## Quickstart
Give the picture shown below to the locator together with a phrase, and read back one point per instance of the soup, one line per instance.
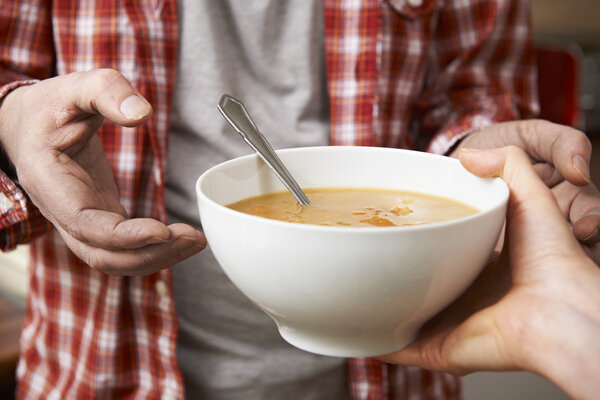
(355, 207)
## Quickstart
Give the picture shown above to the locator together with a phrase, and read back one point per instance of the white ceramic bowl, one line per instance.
(350, 292)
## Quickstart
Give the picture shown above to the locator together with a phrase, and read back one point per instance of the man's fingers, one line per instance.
(581, 205)
(548, 174)
(593, 252)
(87, 208)
(568, 149)
(110, 230)
(587, 229)
(585, 215)
(184, 241)
(563, 147)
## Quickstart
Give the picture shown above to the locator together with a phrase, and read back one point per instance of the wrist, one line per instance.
(6, 92)
(562, 339)
(574, 366)
(6, 164)
(9, 119)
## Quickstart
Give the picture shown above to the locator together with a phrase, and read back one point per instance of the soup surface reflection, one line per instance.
(356, 207)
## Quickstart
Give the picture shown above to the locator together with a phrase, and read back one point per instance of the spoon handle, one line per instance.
(235, 113)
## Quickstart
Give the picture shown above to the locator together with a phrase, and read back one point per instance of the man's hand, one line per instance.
(49, 132)
(561, 157)
(537, 309)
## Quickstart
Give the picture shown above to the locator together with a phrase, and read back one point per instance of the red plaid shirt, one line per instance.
(405, 73)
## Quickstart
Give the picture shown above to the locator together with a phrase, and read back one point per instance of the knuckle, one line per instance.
(106, 81)
(583, 139)
(540, 127)
(539, 123)
(433, 358)
(532, 129)
(74, 228)
(106, 76)
(515, 151)
(75, 232)
(147, 261)
(546, 172)
(108, 89)
(96, 262)
(131, 232)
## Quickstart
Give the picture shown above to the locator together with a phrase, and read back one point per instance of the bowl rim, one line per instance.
(501, 203)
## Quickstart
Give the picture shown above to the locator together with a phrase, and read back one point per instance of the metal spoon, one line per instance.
(235, 113)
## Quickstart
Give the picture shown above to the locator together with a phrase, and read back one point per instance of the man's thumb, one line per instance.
(110, 94)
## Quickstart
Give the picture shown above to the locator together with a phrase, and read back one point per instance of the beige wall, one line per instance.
(13, 274)
(570, 19)
(510, 386)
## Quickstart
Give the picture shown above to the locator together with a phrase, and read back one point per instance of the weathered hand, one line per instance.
(49, 132)
(537, 308)
(561, 157)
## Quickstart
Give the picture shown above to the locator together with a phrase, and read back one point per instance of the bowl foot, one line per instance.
(368, 346)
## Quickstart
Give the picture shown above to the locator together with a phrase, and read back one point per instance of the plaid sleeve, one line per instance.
(371, 379)
(483, 69)
(20, 220)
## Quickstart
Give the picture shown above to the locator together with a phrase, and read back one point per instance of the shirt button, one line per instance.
(161, 288)
(157, 177)
(415, 3)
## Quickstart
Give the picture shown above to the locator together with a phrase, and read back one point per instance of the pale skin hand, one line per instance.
(49, 131)
(537, 309)
(561, 157)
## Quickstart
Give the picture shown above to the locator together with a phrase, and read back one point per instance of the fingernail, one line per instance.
(592, 237)
(191, 239)
(188, 246)
(184, 242)
(135, 107)
(189, 251)
(581, 166)
(156, 240)
(470, 150)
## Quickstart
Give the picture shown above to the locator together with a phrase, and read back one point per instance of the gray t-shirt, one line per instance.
(269, 54)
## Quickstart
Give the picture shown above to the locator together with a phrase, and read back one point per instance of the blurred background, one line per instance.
(567, 38)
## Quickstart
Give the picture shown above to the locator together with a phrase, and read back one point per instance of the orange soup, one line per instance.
(356, 207)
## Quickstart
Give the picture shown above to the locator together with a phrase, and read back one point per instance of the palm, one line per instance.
(76, 175)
